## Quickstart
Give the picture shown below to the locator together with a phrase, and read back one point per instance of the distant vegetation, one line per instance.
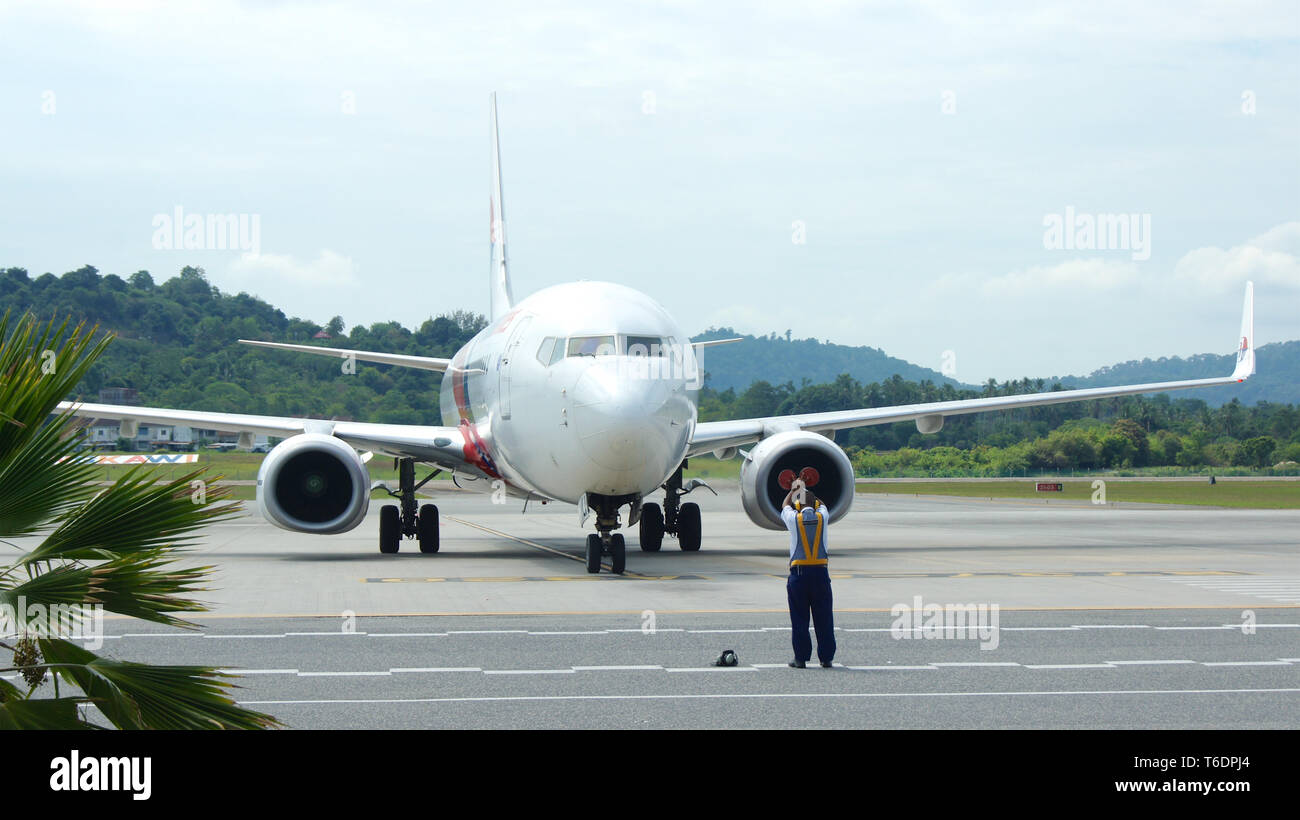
(176, 346)
(1158, 434)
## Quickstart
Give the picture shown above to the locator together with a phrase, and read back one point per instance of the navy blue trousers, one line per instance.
(809, 591)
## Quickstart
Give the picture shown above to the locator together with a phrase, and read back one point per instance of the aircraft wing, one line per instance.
(452, 448)
(399, 359)
(720, 435)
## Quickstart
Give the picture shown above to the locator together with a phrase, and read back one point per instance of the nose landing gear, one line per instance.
(605, 541)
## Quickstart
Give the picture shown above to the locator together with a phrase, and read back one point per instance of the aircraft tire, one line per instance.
(688, 527)
(593, 553)
(427, 529)
(617, 553)
(390, 529)
(652, 527)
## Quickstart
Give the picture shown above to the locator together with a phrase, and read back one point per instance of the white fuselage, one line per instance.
(586, 387)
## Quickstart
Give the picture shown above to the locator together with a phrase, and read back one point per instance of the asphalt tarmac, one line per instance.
(1057, 616)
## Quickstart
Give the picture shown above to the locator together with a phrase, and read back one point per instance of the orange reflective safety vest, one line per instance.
(814, 552)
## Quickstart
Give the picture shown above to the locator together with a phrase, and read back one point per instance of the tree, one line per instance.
(114, 547)
(1255, 452)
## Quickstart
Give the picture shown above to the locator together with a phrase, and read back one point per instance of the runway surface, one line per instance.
(1106, 617)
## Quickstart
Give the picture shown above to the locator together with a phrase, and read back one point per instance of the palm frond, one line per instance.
(39, 366)
(46, 713)
(41, 480)
(62, 586)
(142, 585)
(141, 696)
(146, 585)
(135, 513)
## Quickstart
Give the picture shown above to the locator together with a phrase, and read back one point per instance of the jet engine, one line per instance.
(313, 483)
(774, 462)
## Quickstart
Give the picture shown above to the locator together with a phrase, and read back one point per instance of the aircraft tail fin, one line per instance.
(1246, 344)
(499, 273)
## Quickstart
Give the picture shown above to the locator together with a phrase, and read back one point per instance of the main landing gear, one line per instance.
(410, 520)
(675, 518)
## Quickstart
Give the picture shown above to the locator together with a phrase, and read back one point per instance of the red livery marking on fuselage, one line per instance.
(476, 451)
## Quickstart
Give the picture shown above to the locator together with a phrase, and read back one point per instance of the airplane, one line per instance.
(583, 393)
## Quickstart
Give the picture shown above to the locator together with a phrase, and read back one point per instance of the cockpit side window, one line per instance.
(647, 346)
(545, 352)
(591, 346)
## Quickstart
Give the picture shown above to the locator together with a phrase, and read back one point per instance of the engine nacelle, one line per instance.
(313, 483)
(760, 485)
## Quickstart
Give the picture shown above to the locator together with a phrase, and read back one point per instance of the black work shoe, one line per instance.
(797, 664)
(826, 665)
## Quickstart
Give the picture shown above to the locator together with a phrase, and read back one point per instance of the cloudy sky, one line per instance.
(930, 169)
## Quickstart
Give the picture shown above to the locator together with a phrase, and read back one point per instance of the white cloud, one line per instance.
(328, 269)
(1271, 258)
(1092, 274)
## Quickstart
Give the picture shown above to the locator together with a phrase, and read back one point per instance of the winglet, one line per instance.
(1246, 342)
(499, 273)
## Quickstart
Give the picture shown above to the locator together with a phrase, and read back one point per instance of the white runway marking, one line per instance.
(435, 669)
(754, 667)
(711, 669)
(592, 632)
(1285, 590)
(635, 631)
(405, 634)
(777, 695)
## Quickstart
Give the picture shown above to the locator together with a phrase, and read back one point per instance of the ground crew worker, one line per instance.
(808, 588)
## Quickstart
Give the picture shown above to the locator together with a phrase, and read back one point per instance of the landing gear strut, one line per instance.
(605, 541)
(410, 520)
(676, 519)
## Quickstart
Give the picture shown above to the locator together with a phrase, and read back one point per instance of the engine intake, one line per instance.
(313, 483)
(777, 459)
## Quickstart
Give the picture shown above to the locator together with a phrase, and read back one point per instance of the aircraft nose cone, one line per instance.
(618, 417)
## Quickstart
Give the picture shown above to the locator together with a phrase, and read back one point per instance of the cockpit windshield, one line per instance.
(592, 346)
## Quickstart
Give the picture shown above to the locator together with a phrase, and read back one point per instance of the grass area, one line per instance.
(707, 467)
(1264, 495)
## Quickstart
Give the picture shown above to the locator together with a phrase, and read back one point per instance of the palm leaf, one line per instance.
(134, 513)
(48, 714)
(39, 366)
(140, 696)
(63, 586)
(39, 481)
(140, 585)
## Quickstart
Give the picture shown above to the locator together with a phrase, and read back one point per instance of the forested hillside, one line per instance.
(176, 346)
